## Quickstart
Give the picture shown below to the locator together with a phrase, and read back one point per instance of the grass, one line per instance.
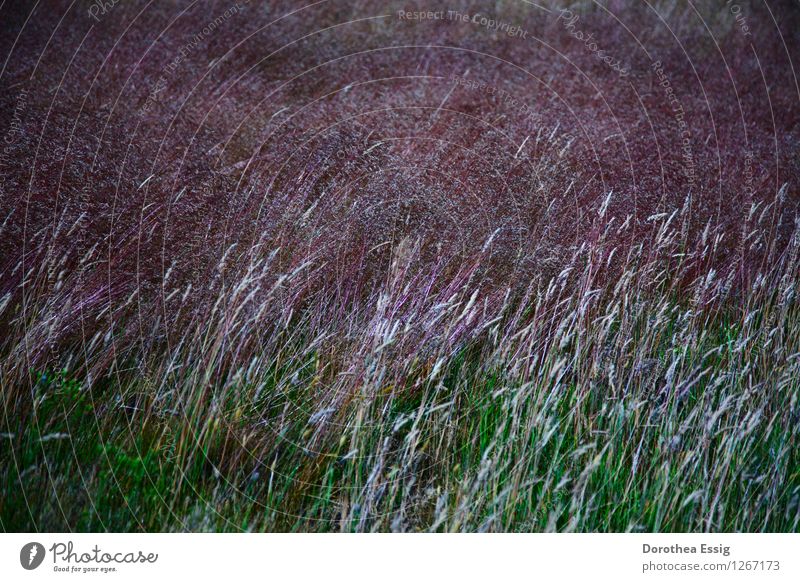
(342, 281)
(567, 414)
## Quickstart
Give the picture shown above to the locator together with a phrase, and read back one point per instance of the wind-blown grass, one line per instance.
(357, 301)
(577, 407)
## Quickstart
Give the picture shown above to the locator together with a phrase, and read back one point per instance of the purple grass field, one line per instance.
(400, 266)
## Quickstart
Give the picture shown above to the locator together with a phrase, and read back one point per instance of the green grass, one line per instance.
(645, 397)
(479, 450)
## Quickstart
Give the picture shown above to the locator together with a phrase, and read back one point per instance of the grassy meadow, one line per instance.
(312, 284)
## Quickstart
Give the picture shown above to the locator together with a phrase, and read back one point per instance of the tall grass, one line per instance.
(582, 405)
(295, 316)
